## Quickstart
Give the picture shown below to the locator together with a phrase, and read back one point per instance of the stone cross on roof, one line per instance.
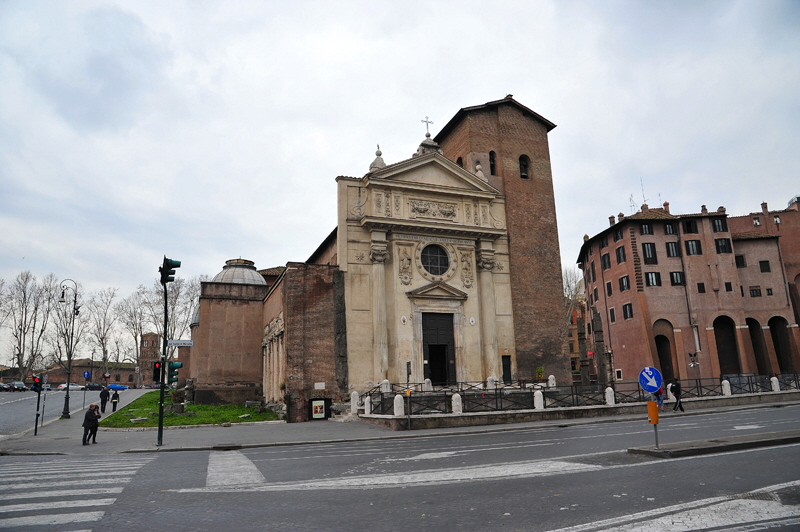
(427, 123)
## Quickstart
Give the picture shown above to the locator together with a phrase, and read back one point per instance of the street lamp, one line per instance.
(70, 338)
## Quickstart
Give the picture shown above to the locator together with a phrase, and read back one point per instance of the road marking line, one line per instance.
(31, 506)
(54, 519)
(229, 479)
(232, 468)
(64, 483)
(60, 493)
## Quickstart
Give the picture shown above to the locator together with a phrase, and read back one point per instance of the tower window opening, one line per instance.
(524, 165)
(492, 163)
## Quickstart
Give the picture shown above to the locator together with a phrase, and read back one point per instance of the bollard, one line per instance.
(386, 386)
(458, 407)
(726, 388)
(427, 386)
(354, 403)
(551, 381)
(399, 405)
(490, 383)
(367, 404)
(538, 400)
(776, 384)
(611, 400)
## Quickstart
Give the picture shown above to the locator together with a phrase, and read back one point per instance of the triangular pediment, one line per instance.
(432, 170)
(437, 290)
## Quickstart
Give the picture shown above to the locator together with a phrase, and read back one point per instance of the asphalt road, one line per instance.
(569, 479)
(18, 409)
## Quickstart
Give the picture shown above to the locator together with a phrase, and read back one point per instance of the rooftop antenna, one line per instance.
(633, 204)
(644, 200)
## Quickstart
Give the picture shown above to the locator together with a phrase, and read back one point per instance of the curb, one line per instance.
(735, 443)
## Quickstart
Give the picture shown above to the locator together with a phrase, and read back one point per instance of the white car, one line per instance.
(72, 387)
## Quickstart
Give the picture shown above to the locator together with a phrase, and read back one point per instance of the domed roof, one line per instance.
(239, 271)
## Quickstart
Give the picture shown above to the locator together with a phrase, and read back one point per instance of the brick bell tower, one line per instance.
(509, 141)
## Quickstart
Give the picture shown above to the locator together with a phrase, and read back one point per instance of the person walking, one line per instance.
(675, 388)
(91, 421)
(114, 401)
(658, 395)
(103, 399)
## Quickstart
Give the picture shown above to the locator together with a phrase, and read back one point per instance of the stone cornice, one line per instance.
(441, 228)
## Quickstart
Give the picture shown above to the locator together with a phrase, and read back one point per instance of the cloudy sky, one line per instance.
(207, 131)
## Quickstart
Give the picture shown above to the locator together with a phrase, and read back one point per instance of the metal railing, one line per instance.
(789, 381)
(520, 395)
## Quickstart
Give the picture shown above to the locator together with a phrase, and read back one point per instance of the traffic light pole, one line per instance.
(161, 377)
(167, 271)
(38, 402)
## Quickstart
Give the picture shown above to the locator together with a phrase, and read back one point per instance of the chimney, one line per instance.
(620, 217)
(645, 208)
(610, 220)
(703, 209)
(764, 208)
(666, 206)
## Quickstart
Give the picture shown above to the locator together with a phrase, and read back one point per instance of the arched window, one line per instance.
(524, 164)
(492, 163)
(116, 377)
(460, 162)
(130, 378)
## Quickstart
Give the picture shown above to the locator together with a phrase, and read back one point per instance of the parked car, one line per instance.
(5, 387)
(117, 387)
(18, 386)
(93, 386)
(72, 387)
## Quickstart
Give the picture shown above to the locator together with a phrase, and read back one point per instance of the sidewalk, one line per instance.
(63, 436)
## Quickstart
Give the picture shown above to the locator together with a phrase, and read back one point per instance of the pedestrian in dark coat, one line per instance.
(103, 399)
(91, 421)
(114, 401)
(676, 391)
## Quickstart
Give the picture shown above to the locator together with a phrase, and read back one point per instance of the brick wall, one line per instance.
(310, 335)
(534, 256)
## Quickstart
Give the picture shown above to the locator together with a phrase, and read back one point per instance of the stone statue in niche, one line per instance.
(466, 269)
(404, 265)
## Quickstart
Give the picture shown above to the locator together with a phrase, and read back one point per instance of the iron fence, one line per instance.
(520, 395)
(748, 383)
(788, 381)
(701, 387)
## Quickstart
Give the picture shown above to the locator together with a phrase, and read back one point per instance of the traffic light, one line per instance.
(167, 270)
(37, 383)
(156, 371)
(172, 375)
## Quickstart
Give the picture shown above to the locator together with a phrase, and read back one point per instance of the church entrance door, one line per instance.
(438, 348)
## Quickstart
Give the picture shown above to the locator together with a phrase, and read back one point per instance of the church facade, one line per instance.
(444, 266)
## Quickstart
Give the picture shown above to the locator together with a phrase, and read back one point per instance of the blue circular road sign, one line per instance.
(86, 374)
(650, 379)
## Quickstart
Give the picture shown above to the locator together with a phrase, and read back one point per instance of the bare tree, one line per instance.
(30, 305)
(102, 319)
(132, 317)
(182, 297)
(69, 329)
(4, 307)
(573, 289)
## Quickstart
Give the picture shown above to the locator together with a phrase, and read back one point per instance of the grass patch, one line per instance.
(146, 406)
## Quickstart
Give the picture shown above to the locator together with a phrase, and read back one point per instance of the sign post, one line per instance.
(650, 380)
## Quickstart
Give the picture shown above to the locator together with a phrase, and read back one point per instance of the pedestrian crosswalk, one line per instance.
(62, 492)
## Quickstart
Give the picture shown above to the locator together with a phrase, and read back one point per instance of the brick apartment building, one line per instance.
(691, 296)
(444, 266)
(784, 224)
